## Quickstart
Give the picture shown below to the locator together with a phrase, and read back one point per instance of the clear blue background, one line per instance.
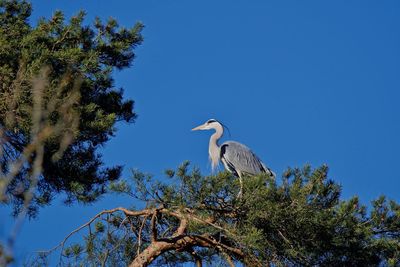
(297, 81)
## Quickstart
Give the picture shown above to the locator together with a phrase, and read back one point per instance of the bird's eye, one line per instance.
(210, 121)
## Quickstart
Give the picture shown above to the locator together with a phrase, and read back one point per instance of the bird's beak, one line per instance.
(200, 127)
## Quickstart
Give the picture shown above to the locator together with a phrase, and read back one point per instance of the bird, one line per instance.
(237, 158)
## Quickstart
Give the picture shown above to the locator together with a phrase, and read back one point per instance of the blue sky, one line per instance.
(298, 82)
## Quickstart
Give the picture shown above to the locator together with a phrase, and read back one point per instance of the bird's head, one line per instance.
(210, 124)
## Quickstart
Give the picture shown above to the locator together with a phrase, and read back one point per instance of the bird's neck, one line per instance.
(213, 148)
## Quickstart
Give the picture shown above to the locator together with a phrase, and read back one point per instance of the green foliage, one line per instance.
(299, 221)
(73, 53)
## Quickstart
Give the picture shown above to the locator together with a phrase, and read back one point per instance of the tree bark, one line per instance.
(158, 247)
(182, 242)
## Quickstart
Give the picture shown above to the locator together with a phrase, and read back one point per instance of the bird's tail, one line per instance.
(273, 175)
(269, 171)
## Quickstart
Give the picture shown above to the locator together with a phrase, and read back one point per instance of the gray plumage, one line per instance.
(236, 157)
(240, 160)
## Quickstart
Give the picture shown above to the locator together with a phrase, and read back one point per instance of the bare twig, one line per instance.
(140, 235)
(98, 215)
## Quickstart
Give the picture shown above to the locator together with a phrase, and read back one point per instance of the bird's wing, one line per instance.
(239, 158)
(225, 160)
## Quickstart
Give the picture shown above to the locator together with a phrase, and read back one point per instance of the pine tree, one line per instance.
(58, 105)
(77, 105)
(299, 221)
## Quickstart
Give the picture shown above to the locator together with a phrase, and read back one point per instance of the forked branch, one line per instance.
(180, 240)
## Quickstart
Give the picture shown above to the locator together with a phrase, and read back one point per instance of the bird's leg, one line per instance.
(241, 185)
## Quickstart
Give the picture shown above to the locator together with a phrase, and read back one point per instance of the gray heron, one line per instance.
(236, 157)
